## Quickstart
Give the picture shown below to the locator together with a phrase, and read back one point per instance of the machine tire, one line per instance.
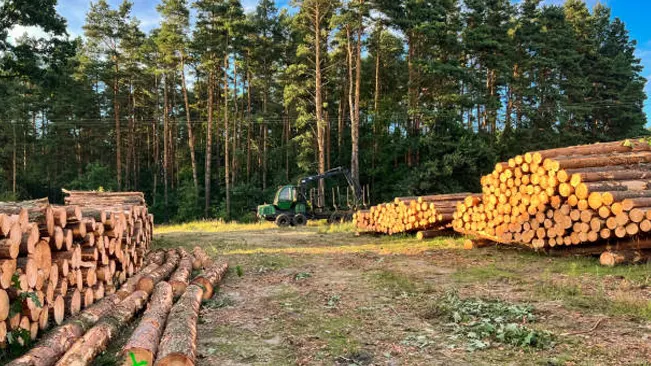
(283, 220)
(299, 220)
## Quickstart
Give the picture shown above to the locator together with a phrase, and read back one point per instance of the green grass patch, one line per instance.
(213, 226)
(394, 282)
(484, 273)
(573, 296)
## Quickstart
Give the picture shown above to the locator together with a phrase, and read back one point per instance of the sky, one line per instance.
(633, 12)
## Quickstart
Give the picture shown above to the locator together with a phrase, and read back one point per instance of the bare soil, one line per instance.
(312, 297)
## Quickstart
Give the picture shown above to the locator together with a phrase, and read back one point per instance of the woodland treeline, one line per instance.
(212, 110)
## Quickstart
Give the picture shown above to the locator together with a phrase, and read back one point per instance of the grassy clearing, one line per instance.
(320, 295)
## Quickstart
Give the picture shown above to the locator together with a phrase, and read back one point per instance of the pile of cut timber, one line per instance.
(410, 214)
(58, 260)
(165, 333)
(590, 197)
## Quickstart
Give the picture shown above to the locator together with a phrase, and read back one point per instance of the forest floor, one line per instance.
(321, 295)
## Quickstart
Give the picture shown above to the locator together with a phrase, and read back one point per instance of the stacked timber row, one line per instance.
(410, 214)
(591, 194)
(57, 260)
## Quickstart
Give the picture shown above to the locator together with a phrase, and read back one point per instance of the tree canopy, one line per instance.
(211, 111)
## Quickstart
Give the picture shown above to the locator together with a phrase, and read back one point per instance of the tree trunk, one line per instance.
(354, 169)
(193, 159)
(116, 114)
(249, 129)
(318, 100)
(206, 211)
(166, 145)
(227, 162)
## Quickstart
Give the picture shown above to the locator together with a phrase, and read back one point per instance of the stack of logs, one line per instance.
(57, 260)
(598, 195)
(166, 333)
(409, 214)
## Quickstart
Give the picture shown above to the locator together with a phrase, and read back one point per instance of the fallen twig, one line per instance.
(594, 327)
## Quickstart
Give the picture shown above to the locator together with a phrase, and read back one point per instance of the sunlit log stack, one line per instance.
(57, 260)
(589, 194)
(409, 214)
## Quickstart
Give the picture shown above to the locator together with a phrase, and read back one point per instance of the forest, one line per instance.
(213, 109)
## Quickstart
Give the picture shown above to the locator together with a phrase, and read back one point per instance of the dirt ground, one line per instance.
(316, 296)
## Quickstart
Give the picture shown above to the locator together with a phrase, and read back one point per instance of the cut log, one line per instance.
(50, 349)
(10, 245)
(72, 302)
(181, 277)
(201, 259)
(209, 279)
(178, 344)
(4, 306)
(7, 270)
(148, 281)
(144, 341)
(58, 309)
(613, 258)
(95, 340)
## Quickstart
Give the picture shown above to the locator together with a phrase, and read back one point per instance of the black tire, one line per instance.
(299, 220)
(283, 220)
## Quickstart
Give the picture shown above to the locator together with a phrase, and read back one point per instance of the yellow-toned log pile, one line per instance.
(57, 260)
(409, 214)
(596, 194)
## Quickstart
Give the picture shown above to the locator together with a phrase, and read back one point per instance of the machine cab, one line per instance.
(285, 197)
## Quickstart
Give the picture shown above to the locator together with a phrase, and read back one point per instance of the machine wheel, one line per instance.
(348, 217)
(283, 220)
(300, 220)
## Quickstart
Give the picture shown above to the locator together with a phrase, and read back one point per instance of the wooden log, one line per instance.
(58, 309)
(72, 302)
(143, 343)
(4, 305)
(96, 339)
(7, 270)
(10, 245)
(201, 259)
(148, 281)
(178, 343)
(613, 258)
(210, 278)
(27, 266)
(181, 277)
(50, 349)
(130, 285)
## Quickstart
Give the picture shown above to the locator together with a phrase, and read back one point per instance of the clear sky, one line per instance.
(633, 12)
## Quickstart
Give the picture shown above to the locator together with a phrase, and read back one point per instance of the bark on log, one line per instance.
(178, 344)
(181, 277)
(148, 281)
(209, 279)
(50, 349)
(95, 340)
(144, 341)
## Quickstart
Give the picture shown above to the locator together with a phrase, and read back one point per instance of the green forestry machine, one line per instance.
(295, 204)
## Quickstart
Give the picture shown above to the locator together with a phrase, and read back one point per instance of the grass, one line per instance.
(328, 297)
(213, 226)
(489, 272)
